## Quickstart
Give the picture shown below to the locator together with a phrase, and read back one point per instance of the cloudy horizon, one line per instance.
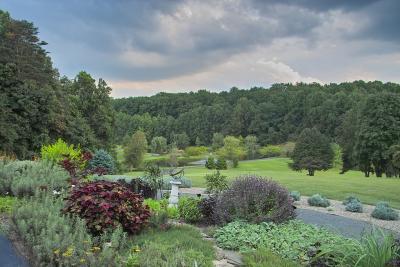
(145, 47)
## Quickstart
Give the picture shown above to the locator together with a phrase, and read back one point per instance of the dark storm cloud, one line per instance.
(151, 40)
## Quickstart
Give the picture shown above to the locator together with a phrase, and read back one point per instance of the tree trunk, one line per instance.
(310, 172)
(366, 173)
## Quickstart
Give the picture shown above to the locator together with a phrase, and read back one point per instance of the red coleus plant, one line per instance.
(106, 205)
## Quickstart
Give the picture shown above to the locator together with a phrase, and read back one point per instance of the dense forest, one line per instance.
(38, 106)
(362, 117)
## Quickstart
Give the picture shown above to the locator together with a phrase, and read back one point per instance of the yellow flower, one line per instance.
(135, 249)
(57, 251)
(82, 260)
(68, 252)
(96, 249)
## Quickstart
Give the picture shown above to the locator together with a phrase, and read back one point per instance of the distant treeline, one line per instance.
(362, 116)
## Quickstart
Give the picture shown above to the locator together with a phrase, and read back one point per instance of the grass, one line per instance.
(178, 246)
(265, 258)
(329, 183)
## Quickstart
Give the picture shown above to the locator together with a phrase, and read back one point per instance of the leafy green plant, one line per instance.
(291, 240)
(59, 150)
(188, 208)
(254, 199)
(384, 212)
(156, 206)
(216, 182)
(377, 249)
(295, 195)
(178, 246)
(104, 205)
(102, 159)
(262, 257)
(318, 201)
(6, 204)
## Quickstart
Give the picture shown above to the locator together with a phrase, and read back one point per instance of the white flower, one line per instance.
(55, 192)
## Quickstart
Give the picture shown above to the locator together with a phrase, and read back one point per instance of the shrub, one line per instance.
(8, 170)
(221, 164)
(291, 240)
(186, 183)
(59, 150)
(295, 195)
(210, 163)
(158, 145)
(102, 159)
(58, 240)
(254, 199)
(354, 206)
(350, 199)
(216, 182)
(39, 174)
(318, 201)
(6, 204)
(265, 258)
(188, 209)
(207, 208)
(106, 205)
(384, 212)
(195, 150)
(270, 151)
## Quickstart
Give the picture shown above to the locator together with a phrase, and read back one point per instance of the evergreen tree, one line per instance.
(312, 152)
(210, 163)
(221, 164)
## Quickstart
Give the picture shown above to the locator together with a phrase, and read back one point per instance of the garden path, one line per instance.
(9, 256)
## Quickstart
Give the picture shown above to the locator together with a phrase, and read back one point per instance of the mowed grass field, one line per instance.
(329, 183)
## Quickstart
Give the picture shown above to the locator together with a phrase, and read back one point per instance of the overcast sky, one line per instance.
(143, 47)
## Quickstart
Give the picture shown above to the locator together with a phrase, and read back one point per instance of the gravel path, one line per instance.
(337, 208)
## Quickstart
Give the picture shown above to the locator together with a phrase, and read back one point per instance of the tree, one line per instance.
(210, 163)
(221, 164)
(312, 152)
(377, 131)
(181, 140)
(199, 142)
(232, 149)
(251, 146)
(159, 145)
(217, 141)
(135, 150)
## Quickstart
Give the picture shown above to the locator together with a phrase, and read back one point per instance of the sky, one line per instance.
(141, 47)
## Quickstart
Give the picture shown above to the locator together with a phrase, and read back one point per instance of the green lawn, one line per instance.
(329, 183)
